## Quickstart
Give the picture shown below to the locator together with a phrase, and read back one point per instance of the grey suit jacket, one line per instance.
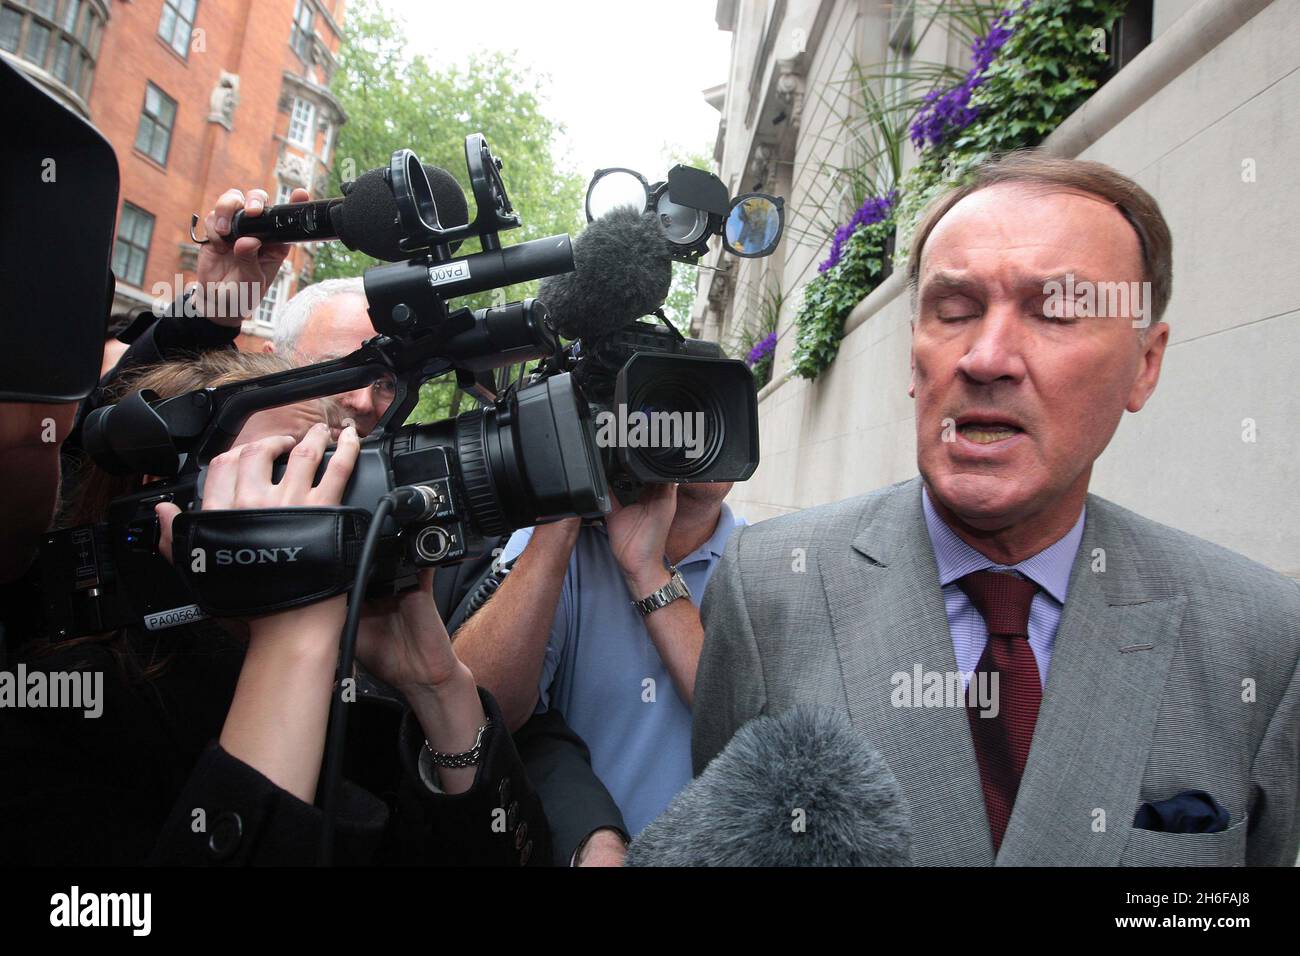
(1175, 668)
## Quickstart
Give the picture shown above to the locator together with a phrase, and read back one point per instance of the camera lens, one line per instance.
(685, 423)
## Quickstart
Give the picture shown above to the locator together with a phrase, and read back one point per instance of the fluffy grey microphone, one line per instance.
(623, 272)
(798, 789)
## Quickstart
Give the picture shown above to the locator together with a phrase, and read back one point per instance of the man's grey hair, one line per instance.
(298, 311)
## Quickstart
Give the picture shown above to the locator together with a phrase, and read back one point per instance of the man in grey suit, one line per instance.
(1053, 679)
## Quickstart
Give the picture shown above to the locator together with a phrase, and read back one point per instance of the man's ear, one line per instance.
(268, 348)
(1150, 359)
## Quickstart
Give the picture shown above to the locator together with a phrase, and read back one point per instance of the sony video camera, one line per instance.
(527, 454)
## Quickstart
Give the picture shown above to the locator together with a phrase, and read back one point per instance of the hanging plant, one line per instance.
(759, 360)
(859, 261)
(756, 341)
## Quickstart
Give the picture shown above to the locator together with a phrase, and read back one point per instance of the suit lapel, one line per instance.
(1093, 736)
(888, 617)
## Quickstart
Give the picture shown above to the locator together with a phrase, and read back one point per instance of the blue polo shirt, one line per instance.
(603, 672)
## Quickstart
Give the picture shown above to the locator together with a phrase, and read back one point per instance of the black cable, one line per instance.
(331, 765)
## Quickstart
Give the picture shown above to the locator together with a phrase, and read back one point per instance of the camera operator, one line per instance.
(563, 630)
(132, 781)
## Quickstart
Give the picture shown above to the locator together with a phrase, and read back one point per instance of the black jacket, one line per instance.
(146, 782)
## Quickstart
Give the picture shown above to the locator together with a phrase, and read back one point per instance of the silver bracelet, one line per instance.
(466, 758)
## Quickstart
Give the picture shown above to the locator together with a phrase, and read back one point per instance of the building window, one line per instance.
(301, 122)
(265, 317)
(11, 27)
(177, 24)
(70, 15)
(300, 39)
(38, 41)
(62, 61)
(328, 145)
(131, 250)
(154, 136)
(282, 194)
(44, 7)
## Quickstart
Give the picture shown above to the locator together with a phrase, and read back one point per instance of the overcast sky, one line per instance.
(621, 88)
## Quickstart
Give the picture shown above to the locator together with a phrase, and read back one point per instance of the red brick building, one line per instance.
(195, 96)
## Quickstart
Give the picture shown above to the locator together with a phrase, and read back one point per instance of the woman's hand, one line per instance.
(277, 720)
(404, 643)
(241, 478)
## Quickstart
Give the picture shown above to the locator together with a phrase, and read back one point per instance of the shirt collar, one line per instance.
(1049, 568)
(717, 543)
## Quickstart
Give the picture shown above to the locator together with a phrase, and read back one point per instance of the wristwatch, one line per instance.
(670, 592)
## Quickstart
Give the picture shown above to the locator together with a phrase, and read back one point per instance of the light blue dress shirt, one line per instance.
(1049, 569)
(603, 672)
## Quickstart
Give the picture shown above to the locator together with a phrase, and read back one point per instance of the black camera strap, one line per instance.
(239, 563)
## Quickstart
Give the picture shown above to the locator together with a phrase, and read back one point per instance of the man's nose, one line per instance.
(996, 348)
(361, 403)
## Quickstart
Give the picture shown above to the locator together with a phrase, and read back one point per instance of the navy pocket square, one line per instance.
(1192, 811)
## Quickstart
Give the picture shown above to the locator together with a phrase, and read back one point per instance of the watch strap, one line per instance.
(670, 592)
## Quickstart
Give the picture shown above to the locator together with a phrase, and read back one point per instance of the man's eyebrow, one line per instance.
(946, 281)
(939, 282)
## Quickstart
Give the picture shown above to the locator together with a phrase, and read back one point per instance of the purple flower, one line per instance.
(762, 350)
(874, 209)
(945, 112)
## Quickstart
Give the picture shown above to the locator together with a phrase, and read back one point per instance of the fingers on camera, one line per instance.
(339, 470)
(300, 473)
(253, 488)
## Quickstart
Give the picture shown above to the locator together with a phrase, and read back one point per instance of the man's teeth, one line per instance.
(987, 434)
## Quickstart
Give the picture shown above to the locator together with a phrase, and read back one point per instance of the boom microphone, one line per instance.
(623, 272)
(798, 789)
(364, 218)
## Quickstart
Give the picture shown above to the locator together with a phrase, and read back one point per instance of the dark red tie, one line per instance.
(1002, 742)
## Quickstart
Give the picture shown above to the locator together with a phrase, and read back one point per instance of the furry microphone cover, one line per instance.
(623, 272)
(798, 789)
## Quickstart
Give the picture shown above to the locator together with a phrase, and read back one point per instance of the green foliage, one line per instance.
(394, 98)
(830, 297)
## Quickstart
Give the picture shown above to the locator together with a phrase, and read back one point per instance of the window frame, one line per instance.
(303, 29)
(178, 16)
(156, 124)
(272, 296)
(137, 214)
(309, 143)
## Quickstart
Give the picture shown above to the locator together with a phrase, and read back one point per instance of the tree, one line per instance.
(394, 98)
